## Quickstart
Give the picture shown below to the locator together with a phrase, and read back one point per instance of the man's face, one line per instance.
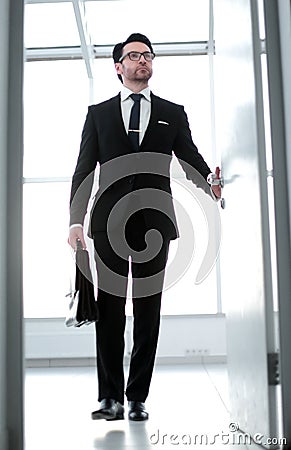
(135, 70)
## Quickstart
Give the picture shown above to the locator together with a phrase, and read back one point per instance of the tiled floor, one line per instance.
(186, 403)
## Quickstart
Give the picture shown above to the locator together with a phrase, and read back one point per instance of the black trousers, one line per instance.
(146, 297)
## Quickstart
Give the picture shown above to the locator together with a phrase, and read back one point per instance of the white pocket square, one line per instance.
(163, 123)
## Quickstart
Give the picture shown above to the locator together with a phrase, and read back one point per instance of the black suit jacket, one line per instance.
(122, 171)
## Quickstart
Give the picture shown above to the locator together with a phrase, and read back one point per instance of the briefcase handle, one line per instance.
(79, 244)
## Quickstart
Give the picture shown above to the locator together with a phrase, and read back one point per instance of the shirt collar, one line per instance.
(125, 93)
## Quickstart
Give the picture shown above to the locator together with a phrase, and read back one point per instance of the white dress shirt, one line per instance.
(126, 105)
(145, 109)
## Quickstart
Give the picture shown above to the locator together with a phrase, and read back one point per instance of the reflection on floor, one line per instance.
(188, 404)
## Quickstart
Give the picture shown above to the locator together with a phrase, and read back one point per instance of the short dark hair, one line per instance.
(135, 37)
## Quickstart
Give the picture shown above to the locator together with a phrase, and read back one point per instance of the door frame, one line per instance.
(275, 14)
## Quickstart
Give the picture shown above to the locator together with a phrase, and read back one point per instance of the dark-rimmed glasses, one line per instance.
(135, 56)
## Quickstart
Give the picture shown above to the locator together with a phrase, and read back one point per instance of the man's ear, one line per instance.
(118, 68)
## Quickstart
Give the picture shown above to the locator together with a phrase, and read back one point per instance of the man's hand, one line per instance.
(216, 188)
(76, 233)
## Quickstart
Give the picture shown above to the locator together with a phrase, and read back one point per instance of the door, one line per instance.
(246, 285)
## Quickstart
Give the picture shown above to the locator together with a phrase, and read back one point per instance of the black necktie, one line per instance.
(133, 129)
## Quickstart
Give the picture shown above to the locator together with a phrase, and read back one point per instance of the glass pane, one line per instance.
(55, 104)
(105, 76)
(183, 296)
(50, 25)
(185, 80)
(47, 256)
(113, 21)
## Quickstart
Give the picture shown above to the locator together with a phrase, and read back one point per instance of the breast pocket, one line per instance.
(164, 135)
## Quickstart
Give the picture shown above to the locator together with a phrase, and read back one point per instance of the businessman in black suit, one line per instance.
(132, 136)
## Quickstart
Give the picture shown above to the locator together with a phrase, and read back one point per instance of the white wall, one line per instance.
(182, 339)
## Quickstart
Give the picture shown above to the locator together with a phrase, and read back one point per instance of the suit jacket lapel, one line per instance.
(117, 115)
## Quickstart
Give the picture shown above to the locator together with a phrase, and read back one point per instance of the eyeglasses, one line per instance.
(135, 56)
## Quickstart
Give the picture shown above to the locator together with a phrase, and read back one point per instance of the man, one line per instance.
(118, 134)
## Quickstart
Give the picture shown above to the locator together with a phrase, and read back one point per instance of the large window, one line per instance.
(57, 93)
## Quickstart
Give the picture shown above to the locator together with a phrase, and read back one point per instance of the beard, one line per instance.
(143, 74)
(140, 74)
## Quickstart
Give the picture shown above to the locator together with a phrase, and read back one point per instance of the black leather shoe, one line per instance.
(109, 410)
(137, 411)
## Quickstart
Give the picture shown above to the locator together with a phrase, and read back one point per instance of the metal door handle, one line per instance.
(213, 181)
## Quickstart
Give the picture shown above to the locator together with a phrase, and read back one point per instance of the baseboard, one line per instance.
(206, 359)
(91, 362)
